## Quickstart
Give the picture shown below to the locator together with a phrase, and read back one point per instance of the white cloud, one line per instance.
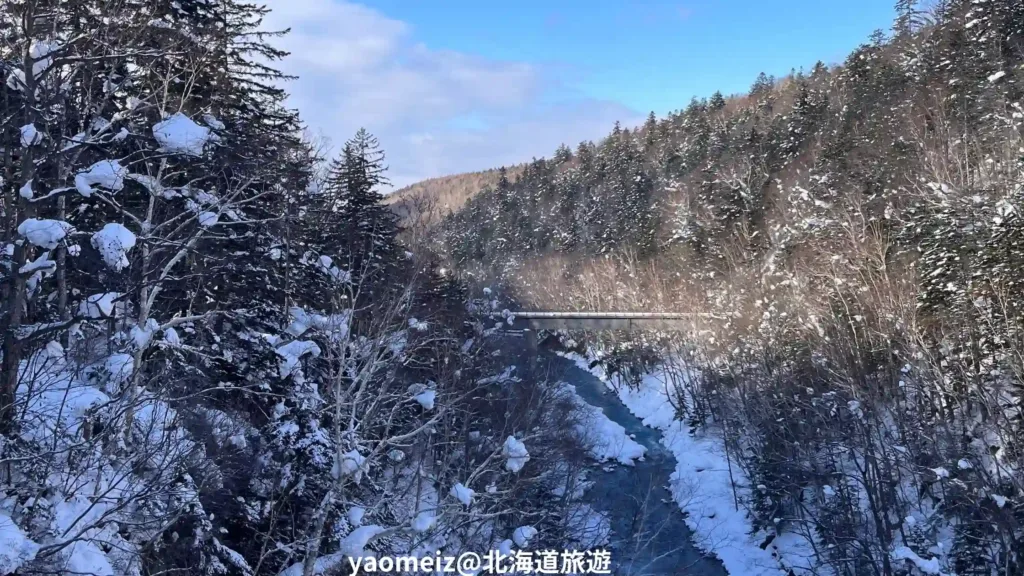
(435, 111)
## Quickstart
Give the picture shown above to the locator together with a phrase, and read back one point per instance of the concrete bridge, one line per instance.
(535, 320)
(529, 322)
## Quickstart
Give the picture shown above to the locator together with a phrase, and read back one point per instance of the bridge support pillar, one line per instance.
(531, 339)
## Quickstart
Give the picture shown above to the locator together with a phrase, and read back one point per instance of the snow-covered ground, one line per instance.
(703, 486)
(607, 440)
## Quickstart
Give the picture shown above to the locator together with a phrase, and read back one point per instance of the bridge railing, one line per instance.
(576, 320)
(597, 315)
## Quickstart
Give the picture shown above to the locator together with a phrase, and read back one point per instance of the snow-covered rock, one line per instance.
(41, 264)
(212, 121)
(142, 335)
(54, 349)
(40, 51)
(353, 544)
(337, 274)
(118, 367)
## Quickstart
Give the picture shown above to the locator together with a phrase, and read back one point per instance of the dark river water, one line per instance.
(649, 534)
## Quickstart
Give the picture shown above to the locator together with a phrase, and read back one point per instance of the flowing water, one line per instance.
(649, 533)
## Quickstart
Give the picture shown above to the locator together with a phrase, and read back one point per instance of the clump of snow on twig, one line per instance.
(44, 233)
(113, 242)
(522, 535)
(178, 134)
(515, 453)
(463, 494)
(108, 174)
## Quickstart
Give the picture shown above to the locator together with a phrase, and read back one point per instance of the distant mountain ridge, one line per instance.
(427, 202)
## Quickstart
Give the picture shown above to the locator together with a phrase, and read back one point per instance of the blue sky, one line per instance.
(457, 85)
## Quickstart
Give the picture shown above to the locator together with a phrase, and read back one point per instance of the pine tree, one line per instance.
(352, 212)
(563, 154)
(650, 131)
(717, 101)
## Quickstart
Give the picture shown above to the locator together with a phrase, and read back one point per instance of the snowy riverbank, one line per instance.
(702, 485)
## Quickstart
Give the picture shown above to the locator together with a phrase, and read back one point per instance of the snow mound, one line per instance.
(40, 51)
(212, 121)
(58, 407)
(178, 134)
(15, 548)
(930, 566)
(42, 264)
(607, 440)
(44, 233)
(351, 546)
(87, 558)
(113, 242)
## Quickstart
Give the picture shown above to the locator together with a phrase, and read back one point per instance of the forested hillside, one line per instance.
(423, 205)
(215, 361)
(854, 235)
